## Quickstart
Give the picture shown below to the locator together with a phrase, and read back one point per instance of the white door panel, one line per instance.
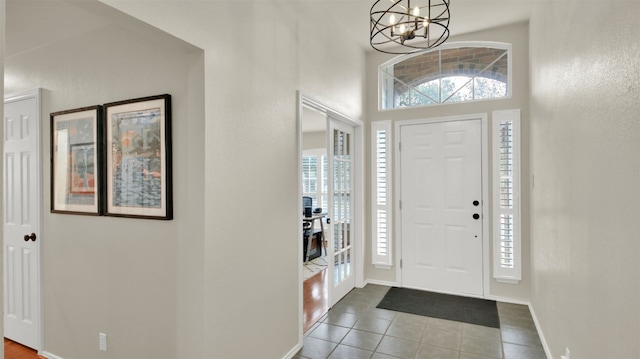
(341, 157)
(22, 220)
(440, 180)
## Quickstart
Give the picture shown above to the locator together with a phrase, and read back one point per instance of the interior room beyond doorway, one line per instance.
(314, 191)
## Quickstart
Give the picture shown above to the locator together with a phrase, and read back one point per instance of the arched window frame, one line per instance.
(386, 85)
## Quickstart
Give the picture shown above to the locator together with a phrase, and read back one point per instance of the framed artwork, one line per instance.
(138, 158)
(76, 169)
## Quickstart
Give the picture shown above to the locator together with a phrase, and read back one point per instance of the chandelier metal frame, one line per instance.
(422, 26)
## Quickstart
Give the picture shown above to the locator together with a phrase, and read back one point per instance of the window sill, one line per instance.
(507, 280)
(383, 266)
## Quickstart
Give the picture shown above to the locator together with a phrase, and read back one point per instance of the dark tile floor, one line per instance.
(354, 328)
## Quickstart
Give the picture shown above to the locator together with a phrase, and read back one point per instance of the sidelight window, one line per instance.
(506, 196)
(381, 192)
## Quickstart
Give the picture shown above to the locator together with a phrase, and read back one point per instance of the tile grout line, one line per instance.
(520, 321)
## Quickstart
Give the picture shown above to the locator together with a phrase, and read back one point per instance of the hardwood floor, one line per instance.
(13, 350)
(316, 298)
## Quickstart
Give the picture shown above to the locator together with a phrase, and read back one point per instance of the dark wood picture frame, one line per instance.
(77, 170)
(138, 162)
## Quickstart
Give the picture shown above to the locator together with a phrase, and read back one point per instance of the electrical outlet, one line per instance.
(102, 342)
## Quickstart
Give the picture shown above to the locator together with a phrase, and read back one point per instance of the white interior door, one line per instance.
(341, 179)
(22, 219)
(441, 195)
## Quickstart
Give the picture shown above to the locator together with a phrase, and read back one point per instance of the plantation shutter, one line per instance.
(381, 191)
(506, 196)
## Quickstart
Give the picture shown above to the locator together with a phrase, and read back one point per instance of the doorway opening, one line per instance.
(315, 259)
(331, 182)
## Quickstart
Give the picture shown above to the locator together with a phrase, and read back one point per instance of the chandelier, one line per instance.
(414, 25)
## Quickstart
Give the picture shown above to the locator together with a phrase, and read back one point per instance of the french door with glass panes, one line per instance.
(341, 266)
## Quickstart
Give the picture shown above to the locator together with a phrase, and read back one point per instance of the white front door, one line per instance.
(441, 195)
(341, 179)
(22, 219)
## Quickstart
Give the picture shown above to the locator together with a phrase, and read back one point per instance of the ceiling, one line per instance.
(63, 19)
(36, 23)
(352, 16)
(23, 16)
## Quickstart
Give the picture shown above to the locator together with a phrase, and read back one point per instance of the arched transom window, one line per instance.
(457, 72)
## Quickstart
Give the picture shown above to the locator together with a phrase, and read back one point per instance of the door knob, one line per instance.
(476, 216)
(476, 203)
(28, 237)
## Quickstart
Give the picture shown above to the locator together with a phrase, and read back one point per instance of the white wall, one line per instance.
(585, 206)
(517, 35)
(132, 279)
(252, 69)
(314, 140)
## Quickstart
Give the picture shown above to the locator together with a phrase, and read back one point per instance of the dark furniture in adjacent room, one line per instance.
(312, 239)
(312, 244)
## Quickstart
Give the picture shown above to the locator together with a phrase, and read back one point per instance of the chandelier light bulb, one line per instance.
(392, 20)
(416, 11)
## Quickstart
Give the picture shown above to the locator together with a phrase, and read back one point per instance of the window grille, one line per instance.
(456, 72)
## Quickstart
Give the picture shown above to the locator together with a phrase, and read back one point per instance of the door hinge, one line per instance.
(401, 264)
(400, 204)
(399, 146)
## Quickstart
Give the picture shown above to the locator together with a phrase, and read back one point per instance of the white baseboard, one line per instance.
(49, 355)
(293, 351)
(533, 315)
(545, 346)
(507, 300)
(380, 282)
